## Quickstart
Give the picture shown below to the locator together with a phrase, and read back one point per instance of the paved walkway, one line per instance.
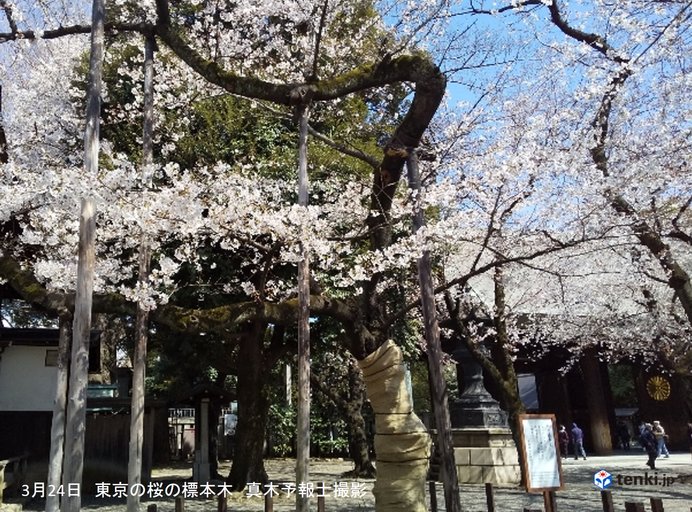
(342, 495)
(580, 494)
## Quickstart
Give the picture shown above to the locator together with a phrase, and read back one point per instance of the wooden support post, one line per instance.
(180, 504)
(303, 413)
(656, 505)
(152, 507)
(75, 416)
(549, 501)
(433, 496)
(321, 507)
(490, 497)
(607, 501)
(268, 503)
(57, 431)
(448, 467)
(137, 410)
(222, 503)
(634, 507)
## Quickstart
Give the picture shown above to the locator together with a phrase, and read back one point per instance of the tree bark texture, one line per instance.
(57, 430)
(359, 446)
(402, 442)
(253, 412)
(351, 406)
(598, 409)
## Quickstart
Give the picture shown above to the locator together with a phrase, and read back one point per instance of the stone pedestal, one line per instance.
(486, 455)
(484, 450)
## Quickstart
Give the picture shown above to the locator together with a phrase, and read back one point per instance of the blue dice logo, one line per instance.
(603, 479)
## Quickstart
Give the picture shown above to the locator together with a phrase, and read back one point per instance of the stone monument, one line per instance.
(484, 449)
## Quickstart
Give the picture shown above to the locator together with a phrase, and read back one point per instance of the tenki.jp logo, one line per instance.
(603, 479)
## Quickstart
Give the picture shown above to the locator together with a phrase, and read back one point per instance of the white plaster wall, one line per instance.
(26, 384)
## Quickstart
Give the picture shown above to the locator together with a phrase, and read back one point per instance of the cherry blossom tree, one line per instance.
(570, 155)
(128, 203)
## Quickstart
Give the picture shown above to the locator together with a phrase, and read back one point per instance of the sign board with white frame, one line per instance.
(539, 445)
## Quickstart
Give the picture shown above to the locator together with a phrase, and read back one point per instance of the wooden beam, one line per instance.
(449, 476)
(79, 368)
(134, 463)
(57, 430)
(303, 414)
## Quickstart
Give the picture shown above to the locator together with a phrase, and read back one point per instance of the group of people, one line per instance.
(652, 438)
(576, 438)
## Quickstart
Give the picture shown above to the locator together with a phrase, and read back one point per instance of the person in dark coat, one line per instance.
(648, 442)
(623, 433)
(578, 441)
(563, 439)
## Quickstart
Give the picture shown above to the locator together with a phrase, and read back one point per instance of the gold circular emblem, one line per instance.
(658, 387)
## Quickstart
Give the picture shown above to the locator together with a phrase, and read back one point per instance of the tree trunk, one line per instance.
(598, 409)
(253, 411)
(351, 407)
(57, 431)
(515, 408)
(402, 442)
(359, 447)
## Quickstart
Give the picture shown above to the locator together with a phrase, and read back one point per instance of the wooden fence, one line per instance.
(549, 500)
(222, 504)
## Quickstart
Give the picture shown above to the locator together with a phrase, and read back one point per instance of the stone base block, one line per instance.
(482, 437)
(486, 456)
(502, 475)
(10, 507)
(470, 474)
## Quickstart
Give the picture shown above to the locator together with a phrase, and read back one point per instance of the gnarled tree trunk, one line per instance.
(253, 412)
(351, 407)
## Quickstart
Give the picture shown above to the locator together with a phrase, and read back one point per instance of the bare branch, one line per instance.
(318, 40)
(9, 15)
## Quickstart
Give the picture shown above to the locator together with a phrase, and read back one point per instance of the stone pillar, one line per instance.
(594, 390)
(201, 471)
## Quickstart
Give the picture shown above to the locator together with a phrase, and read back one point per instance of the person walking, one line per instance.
(689, 435)
(660, 435)
(623, 433)
(648, 442)
(563, 439)
(578, 441)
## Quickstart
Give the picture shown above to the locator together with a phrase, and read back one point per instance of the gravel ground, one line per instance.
(341, 495)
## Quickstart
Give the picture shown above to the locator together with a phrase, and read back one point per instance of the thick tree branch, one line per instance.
(71, 30)
(221, 319)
